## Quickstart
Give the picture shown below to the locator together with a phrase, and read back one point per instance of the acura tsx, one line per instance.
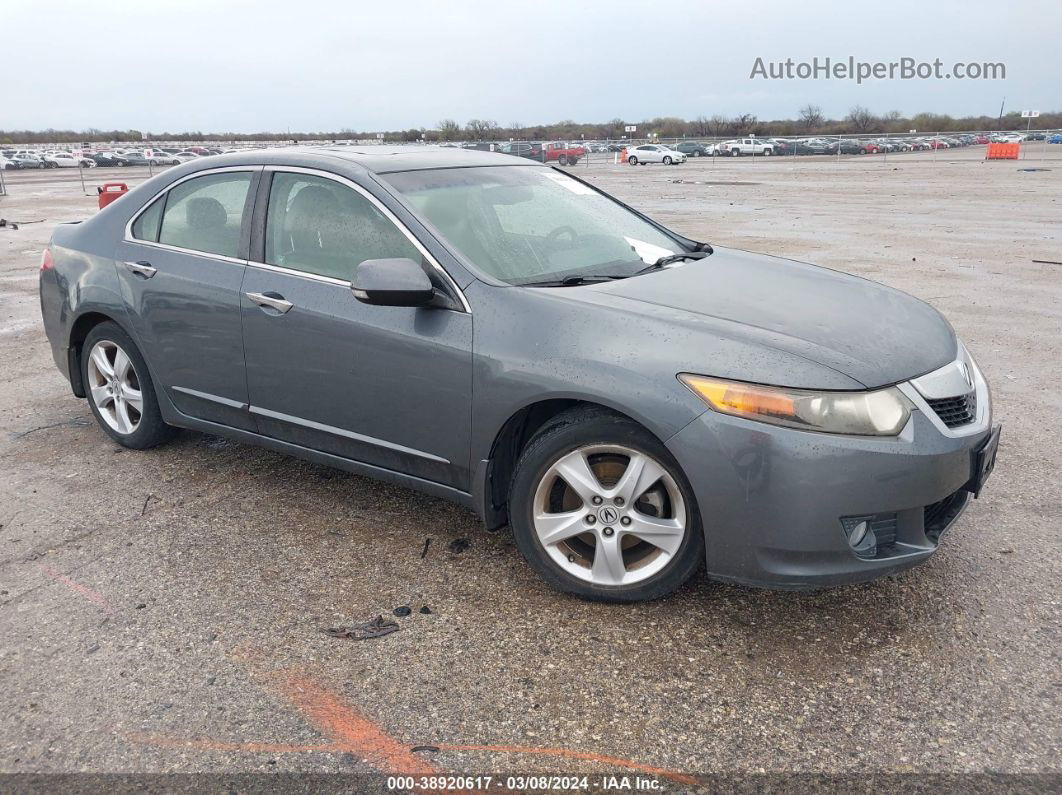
(633, 403)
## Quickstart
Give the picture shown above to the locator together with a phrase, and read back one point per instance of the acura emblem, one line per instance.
(608, 515)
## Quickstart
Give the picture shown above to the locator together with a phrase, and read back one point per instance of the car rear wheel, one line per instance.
(119, 389)
(600, 509)
(632, 160)
(562, 160)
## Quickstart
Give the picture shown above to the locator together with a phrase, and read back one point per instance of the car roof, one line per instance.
(377, 159)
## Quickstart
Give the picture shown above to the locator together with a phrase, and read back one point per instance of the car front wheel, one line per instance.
(735, 153)
(667, 160)
(600, 509)
(119, 389)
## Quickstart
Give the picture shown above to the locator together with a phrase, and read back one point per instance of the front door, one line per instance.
(181, 269)
(386, 386)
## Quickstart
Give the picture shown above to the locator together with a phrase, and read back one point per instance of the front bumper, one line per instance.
(772, 499)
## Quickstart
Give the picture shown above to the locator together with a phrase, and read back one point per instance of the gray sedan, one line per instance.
(489, 330)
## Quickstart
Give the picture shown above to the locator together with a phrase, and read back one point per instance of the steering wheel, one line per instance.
(554, 236)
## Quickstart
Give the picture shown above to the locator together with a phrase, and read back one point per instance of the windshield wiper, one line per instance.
(574, 280)
(663, 261)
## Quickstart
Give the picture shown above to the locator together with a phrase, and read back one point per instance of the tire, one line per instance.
(632, 160)
(698, 153)
(735, 153)
(118, 418)
(562, 160)
(767, 152)
(607, 443)
(667, 160)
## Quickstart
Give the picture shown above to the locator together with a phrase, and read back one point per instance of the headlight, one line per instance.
(883, 412)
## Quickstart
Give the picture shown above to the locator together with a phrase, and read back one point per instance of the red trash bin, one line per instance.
(109, 191)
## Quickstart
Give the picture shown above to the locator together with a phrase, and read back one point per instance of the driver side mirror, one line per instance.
(392, 282)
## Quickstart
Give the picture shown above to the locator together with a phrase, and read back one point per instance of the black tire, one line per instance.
(735, 153)
(562, 160)
(152, 429)
(568, 431)
(632, 160)
(698, 153)
(767, 152)
(667, 160)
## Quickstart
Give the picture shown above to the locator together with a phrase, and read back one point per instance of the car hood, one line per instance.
(873, 334)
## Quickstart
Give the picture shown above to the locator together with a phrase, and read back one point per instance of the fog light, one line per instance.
(858, 533)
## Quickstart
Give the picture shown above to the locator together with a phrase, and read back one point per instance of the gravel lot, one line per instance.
(162, 611)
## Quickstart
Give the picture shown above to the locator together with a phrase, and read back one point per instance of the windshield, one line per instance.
(524, 224)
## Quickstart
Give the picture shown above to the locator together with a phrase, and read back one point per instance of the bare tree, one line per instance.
(717, 124)
(449, 130)
(862, 119)
(701, 126)
(811, 116)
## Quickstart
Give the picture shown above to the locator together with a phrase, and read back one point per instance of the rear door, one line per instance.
(181, 265)
(382, 385)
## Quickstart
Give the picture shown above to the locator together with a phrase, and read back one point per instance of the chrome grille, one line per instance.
(955, 411)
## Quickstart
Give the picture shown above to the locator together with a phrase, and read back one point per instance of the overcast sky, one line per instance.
(266, 65)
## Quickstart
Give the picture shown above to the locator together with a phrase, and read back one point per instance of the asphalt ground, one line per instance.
(162, 611)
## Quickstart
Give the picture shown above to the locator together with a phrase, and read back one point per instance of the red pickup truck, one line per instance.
(557, 151)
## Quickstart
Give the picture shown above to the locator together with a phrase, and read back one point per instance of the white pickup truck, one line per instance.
(746, 146)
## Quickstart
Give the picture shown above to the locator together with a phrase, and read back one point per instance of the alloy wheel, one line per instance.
(115, 387)
(610, 515)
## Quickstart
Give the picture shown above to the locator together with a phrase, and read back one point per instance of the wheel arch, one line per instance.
(79, 331)
(494, 474)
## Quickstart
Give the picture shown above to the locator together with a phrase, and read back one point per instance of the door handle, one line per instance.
(272, 301)
(141, 269)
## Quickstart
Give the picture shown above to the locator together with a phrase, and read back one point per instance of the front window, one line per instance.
(320, 226)
(526, 224)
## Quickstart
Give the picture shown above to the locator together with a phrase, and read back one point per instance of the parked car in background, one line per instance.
(185, 155)
(693, 149)
(158, 157)
(131, 158)
(561, 153)
(6, 163)
(25, 160)
(1055, 139)
(746, 146)
(783, 146)
(60, 160)
(654, 153)
(103, 158)
(520, 149)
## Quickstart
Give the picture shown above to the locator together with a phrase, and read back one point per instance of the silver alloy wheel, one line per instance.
(115, 387)
(609, 514)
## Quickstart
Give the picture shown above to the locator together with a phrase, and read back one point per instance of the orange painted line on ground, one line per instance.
(93, 596)
(349, 730)
(681, 778)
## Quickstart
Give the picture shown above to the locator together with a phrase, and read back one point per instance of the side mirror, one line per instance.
(392, 282)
